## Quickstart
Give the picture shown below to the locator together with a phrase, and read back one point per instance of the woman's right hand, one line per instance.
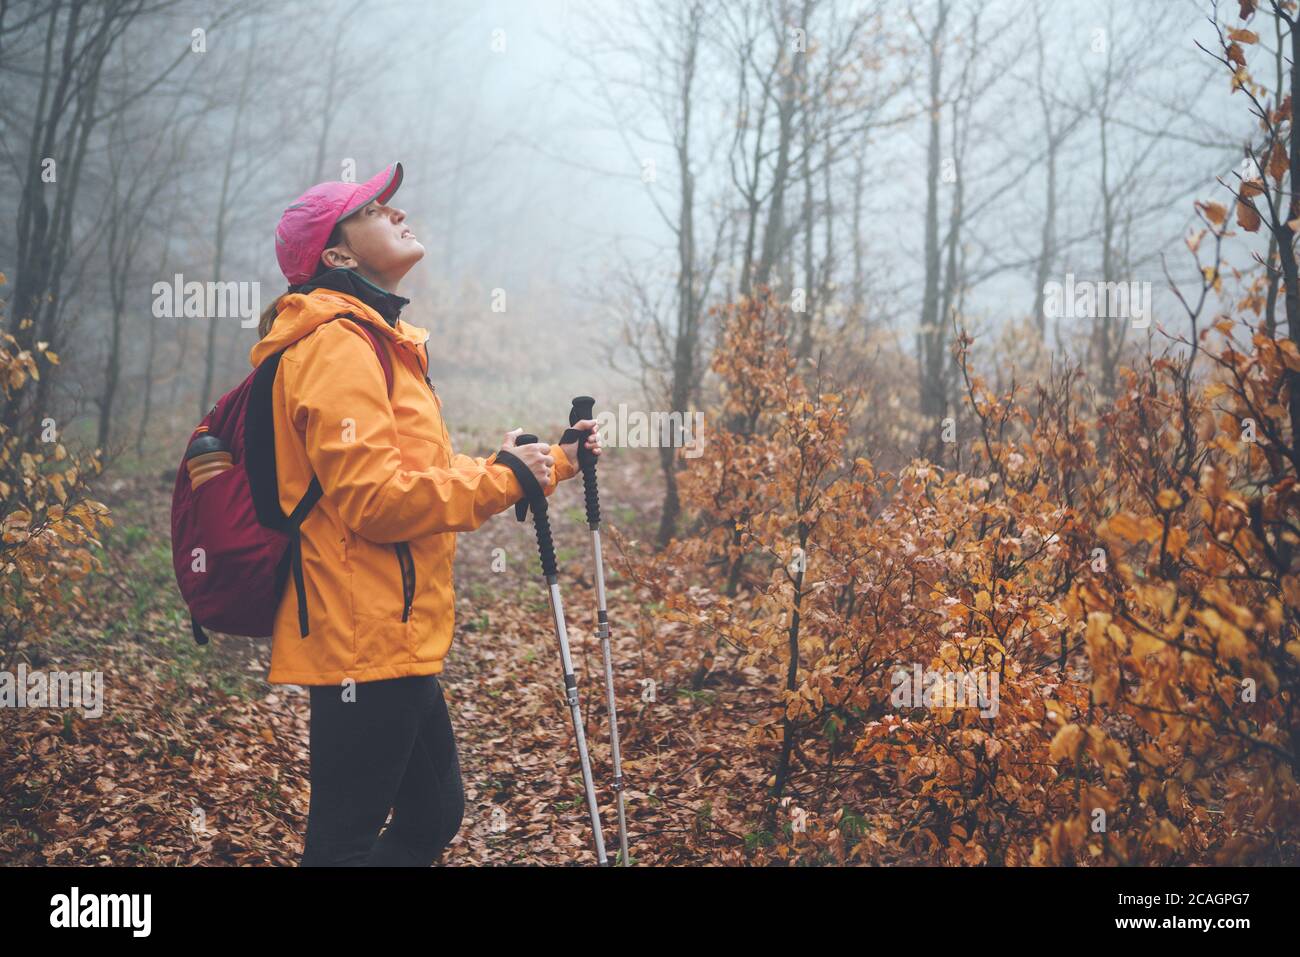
(535, 455)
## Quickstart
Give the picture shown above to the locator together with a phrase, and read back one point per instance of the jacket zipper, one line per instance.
(437, 398)
(426, 369)
(407, 564)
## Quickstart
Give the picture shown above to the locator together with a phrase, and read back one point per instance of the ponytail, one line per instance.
(268, 316)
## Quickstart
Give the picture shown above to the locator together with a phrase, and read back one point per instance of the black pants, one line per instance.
(390, 748)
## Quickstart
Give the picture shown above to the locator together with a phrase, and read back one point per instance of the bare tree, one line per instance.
(226, 198)
(78, 39)
(1060, 121)
(669, 341)
(1130, 172)
(123, 239)
(931, 333)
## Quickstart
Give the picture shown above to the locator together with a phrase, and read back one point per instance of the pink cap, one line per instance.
(306, 225)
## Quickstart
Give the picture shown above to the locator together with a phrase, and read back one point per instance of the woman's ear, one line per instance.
(337, 256)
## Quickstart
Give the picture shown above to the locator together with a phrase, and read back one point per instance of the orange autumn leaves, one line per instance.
(1129, 577)
(48, 525)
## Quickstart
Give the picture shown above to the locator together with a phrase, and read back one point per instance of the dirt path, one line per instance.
(196, 760)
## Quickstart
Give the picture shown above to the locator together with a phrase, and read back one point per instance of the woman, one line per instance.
(377, 547)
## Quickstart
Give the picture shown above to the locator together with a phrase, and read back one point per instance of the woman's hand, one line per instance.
(593, 443)
(536, 455)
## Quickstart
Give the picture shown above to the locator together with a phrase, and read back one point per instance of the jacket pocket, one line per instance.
(431, 556)
(380, 579)
(406, 567)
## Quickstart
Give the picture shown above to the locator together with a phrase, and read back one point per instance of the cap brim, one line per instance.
(379, 188)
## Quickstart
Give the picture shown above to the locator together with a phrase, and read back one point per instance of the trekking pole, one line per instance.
(535, 498)
(582, 409)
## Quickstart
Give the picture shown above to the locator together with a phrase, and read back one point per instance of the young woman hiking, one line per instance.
(377, 547)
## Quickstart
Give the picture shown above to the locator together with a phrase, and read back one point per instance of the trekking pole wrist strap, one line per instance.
(586, 457)
(534, 495)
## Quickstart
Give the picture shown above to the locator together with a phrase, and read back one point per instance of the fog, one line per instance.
(542, 144)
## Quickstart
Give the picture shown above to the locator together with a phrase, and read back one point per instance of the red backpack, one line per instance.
(233, 548)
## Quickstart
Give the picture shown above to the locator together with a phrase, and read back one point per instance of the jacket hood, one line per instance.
(300, 313)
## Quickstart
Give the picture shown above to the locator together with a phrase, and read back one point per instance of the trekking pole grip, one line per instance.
(583, 407)
(541, 522)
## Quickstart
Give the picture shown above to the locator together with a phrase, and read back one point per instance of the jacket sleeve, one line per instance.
(563, 470)
(336, 394)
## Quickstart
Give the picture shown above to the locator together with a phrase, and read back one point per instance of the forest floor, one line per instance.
(197, 760)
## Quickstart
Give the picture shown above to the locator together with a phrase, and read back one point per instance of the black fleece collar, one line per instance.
(387, 304)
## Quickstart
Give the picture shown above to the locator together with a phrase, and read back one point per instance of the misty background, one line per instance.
(609, 171)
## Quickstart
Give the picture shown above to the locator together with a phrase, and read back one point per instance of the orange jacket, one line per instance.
(389, 476)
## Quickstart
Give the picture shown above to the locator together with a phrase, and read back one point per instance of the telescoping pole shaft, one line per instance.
(603, 632)
(583, 407)
(536, 500)
(571, 696)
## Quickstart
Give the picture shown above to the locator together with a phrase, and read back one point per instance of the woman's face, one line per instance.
(378, 244)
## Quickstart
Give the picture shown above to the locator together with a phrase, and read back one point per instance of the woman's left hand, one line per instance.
(593, 442)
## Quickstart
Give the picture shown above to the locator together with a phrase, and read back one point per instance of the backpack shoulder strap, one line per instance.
(259, 445)
(264, 479)
(260, 438)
